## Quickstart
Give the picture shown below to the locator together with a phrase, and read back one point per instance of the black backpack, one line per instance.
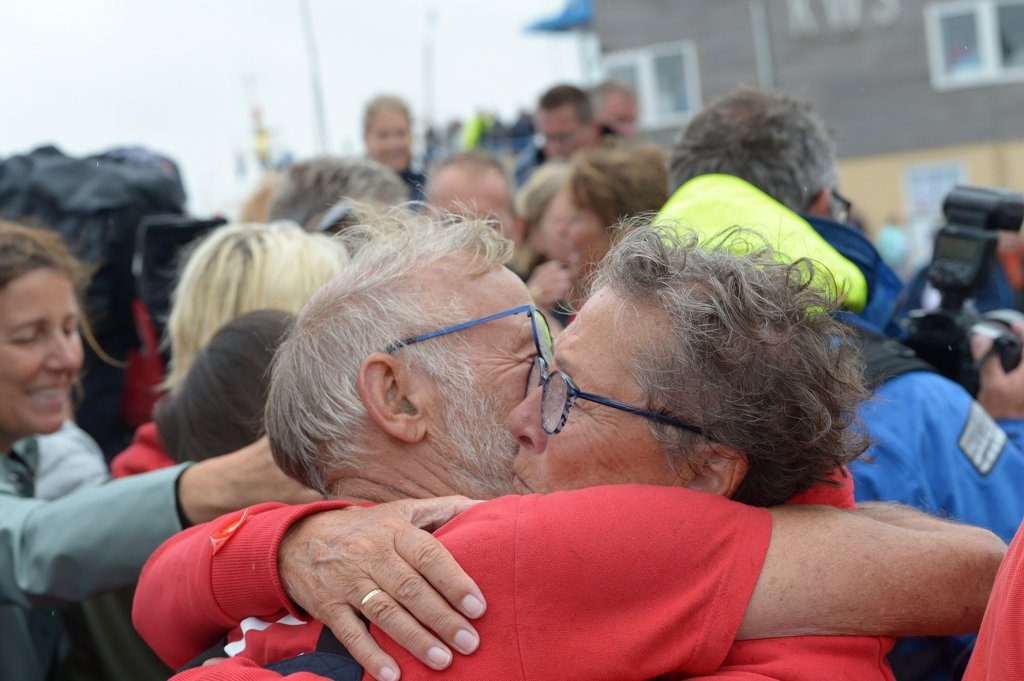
(96, 204)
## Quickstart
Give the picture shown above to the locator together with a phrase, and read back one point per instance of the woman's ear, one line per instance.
(720, 470)
(395, 398)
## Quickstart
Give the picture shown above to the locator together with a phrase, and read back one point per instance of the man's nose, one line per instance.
(525, 423)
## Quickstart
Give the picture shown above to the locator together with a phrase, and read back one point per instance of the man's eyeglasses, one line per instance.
(539, 324)
(560, 392)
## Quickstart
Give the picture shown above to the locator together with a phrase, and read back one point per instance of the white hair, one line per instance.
(315, 419)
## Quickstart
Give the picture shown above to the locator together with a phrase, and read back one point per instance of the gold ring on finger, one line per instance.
(368, 597)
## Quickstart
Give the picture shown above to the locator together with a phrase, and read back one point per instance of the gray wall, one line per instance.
(871, 83)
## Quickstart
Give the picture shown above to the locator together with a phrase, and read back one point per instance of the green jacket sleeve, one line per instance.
(91, 541)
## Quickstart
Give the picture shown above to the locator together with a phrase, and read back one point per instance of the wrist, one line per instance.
(205, 491)
(291, 547)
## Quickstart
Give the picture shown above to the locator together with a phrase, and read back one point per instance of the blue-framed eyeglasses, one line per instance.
(539, 324)
(560, 392)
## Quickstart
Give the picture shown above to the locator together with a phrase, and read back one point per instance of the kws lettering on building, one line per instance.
(817, 17)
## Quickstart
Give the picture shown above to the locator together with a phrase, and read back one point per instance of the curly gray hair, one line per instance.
(774, 142)
(752, 353)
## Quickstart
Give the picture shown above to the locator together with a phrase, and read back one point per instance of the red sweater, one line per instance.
(144, 454)
(999, 652)
(573, 592)
(551, 568)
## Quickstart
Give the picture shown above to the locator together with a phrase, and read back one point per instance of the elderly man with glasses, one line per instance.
(397, 382)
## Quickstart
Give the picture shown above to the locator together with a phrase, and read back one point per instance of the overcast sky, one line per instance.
(181, 76)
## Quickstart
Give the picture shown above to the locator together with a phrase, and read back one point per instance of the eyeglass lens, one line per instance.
(552, 404)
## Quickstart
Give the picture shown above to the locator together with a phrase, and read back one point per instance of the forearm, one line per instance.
(223, 484)
(204, 564)
(887, 570)
(85, 543)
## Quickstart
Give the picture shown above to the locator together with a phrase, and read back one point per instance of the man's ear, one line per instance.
(720, 470)
(821, 206)
(395, 398)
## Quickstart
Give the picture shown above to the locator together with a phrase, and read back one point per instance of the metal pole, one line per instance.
(428, 67)
(762, 45)
(314, 78)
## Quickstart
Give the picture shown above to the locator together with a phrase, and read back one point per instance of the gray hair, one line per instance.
(474, 163)
(751, 353)
(315, 419)
(600, 92)
(308, 189)
(774, 142)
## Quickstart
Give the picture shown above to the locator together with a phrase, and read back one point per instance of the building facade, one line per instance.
(921, 94)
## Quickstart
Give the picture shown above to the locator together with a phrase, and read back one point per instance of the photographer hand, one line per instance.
(1001, 393)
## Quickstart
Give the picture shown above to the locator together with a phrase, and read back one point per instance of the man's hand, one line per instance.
(216, 486)
(379, 562)
(1001, 393)
(549, 283)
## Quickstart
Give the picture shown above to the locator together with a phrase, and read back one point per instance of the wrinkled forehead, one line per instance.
(609, 335)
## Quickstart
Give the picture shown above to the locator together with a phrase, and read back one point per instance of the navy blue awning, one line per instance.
(577, 13)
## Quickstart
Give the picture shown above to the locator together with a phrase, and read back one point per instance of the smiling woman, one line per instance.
(40, 347)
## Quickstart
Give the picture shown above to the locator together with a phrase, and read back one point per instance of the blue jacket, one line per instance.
(935, 448)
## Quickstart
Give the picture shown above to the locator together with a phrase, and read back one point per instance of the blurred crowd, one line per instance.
(675, 376)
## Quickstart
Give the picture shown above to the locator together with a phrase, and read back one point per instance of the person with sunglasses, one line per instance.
(607, 582)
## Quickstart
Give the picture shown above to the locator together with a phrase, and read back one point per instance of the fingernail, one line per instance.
(472, 606)
(466, 641)
(387, 674)
(438, 658)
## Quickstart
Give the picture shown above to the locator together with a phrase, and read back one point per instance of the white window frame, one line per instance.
(986, 19)
(643, 60)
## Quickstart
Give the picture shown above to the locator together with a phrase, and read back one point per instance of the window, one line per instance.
(975, 42)
(664, 78)
(1011, 34)
(925, 186)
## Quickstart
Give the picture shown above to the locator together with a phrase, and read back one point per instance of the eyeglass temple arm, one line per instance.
(668, 420)
(458, 327)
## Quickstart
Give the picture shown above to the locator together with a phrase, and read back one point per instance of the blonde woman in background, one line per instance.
(539, 216)
(387, 133)
(237, 269)
(544, 253)
(241, 268)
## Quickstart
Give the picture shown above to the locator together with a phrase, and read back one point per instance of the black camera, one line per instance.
(965, 248)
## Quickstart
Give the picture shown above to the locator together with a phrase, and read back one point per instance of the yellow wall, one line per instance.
(876, 184)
